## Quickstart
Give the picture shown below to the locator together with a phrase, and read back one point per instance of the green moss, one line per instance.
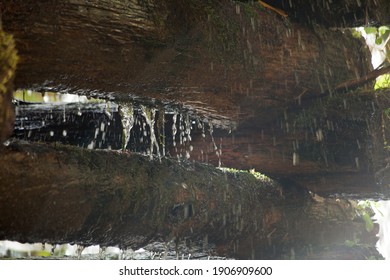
(253, 172)
(250, 9)
(223, 36)
(382, 82)
(8, 62)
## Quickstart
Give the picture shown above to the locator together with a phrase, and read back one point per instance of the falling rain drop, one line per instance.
(237, 9)
(79, 113)
(358, 144)
(319, 135)
(253, 24)
(357, 163)
(64, 114)
(295, 159)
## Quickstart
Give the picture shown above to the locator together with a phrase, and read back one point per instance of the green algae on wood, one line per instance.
(8, 62)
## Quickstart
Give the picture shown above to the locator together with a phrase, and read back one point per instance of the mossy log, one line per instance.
(221, 57)
(226, 59)
(59, 194)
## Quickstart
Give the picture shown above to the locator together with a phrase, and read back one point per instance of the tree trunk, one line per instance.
(229, 58)
(59, 194)
(222, 60)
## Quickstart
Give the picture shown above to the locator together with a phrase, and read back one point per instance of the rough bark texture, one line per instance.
(59, 194)
(222, 57)
(218, 58)
(230, 60)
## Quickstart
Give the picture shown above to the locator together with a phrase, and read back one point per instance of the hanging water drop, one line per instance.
(174, 129)
(127, 120)
(149, 116)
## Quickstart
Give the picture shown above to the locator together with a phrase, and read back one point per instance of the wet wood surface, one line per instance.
(236, 63)
(59, 194)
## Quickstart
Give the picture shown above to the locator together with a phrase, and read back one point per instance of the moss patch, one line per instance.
(8, 61)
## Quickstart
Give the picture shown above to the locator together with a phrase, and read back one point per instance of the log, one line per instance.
(59, 194)
(334, 146)
(221, 58)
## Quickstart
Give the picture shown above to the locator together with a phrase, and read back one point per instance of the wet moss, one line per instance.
(8, 62)
(223, 39)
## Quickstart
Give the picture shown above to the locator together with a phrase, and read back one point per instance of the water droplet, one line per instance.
(150, 115)
(295, 159)
(91, 145)
(319, 135)
(127, 120)
(357, 163)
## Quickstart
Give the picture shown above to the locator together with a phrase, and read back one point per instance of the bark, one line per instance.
(220, 58)
(58, 194)
(338, 144)
(224, 60)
